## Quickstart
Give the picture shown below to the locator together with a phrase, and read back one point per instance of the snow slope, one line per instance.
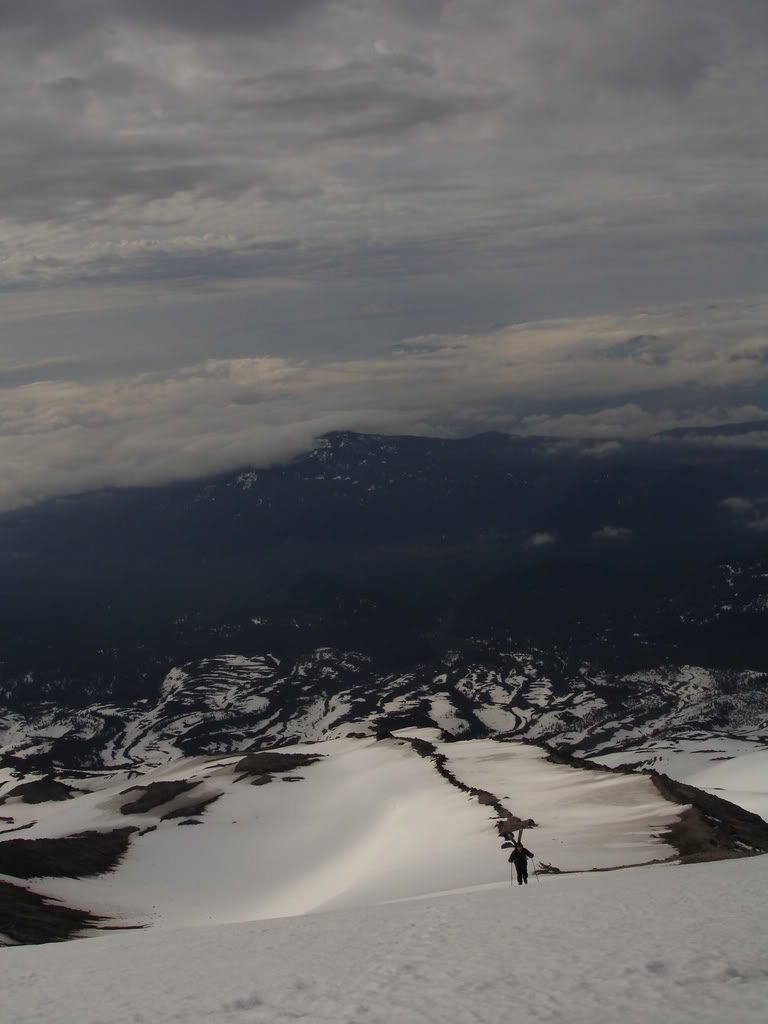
(661, 945)
(743, 780)
(584, 819)
(735, 769)
(369, 822)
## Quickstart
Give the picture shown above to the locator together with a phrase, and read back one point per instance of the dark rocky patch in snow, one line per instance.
(711, 828)
(562, 755)
(26, 917)
(78, 856)
(191, 809)
(18, 828)
(260, 766)
(155, 795)
(39, 792)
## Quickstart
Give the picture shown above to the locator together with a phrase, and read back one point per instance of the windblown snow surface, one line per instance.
(368, 822)
(369, 889)
(661, 944)
(735, 769)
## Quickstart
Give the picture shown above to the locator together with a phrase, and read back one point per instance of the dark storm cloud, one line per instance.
(358, 111)
(47, 19)
(388, 95)
(216, 260)
(63, 18)
(389, 183)
(215, 16)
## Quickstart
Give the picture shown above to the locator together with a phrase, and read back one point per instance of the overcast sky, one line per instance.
(227, 226)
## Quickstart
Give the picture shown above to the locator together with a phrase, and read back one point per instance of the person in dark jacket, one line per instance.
(519, 857)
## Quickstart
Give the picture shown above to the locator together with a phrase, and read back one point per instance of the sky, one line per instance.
(226, 228)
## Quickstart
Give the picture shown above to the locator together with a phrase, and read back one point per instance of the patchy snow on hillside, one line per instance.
(661, 945)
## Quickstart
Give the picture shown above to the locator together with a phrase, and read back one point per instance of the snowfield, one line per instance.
(367, 888)
(734, 769)
(585, 819)
(671, 945)
(743, 780)
(368, 822)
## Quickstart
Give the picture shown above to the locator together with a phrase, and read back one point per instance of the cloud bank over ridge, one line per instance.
(587, 378)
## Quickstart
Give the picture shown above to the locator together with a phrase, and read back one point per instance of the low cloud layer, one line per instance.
(61, 432)
(607, 534)
(750, 513)
(540, 539)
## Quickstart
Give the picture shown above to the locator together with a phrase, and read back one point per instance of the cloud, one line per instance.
(748, 439)
(748, 512)
(66, 425)
(602, 450)
(222, 17)
(645, 348)
(739, 506)
(62, 18)
(540, 539)
(367, 191)
(570, 133)
(338, 106)
(611, 533)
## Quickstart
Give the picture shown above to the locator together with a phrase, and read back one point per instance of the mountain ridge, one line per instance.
(371, 568)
